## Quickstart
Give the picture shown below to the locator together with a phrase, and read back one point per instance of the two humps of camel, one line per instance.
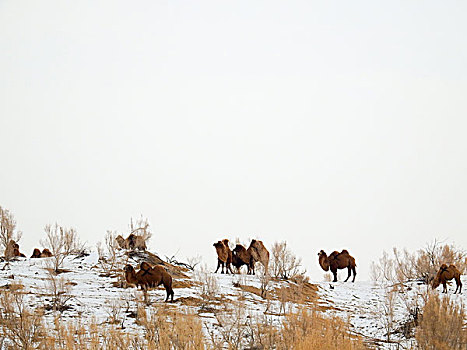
(240, 256)
(447, 273)
(132, 242)
(335, 261)
(150, 277)
(38, 254)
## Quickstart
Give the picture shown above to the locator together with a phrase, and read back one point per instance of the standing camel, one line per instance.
(445, 274)
(337, 260)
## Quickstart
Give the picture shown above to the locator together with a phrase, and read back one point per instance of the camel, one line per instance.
(242, 256)
(337, 260)
(37, 253)
(12, 250)
(46, 253)
(224, 256)
(148, 277)
(446, 273)
(258, 253)
(132, 242)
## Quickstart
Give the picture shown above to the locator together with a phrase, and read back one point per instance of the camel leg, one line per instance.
(218, 265)
(229, 268)
(222, 263)
(170, 293)
(349, 273)
(334, 272)
(445, 289)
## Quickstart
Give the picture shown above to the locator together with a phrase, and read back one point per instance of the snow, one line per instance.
(93, 294)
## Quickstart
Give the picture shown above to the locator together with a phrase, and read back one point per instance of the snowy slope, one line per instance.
(94, 295)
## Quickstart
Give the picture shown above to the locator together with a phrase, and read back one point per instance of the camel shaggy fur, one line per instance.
(242, 256)
(149, 277)
(447, 273)
(37, 253)
(12, 250)
(224, 256)
(336, 261)
(258, 253)
(132, 242)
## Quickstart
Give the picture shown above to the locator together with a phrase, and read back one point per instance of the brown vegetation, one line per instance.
(336, 261)
(224, 255)
(442, 325)
(447, 273)
(149, 277)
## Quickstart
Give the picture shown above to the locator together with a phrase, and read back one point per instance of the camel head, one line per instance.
(129, 268)
(238, 248)
(121, 241)
(323, 260)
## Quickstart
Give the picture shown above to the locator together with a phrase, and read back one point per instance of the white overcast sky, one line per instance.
(327, 124)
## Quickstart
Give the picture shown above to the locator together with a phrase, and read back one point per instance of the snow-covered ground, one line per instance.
(95, 294)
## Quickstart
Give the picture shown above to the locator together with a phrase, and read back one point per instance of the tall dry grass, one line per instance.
(442, 325)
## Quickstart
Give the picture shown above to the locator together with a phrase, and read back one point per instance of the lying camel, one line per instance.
(149, 277)
(258, 253)
(446, 273)
(336, 261)
(224, 256)
(242, 256)
(12, 250)
(132, 242)
(37, 253)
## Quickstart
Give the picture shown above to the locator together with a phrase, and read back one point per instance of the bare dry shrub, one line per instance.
(141, 227)
(108, 256)
(61, 242)
(208, 287)
(421, 265)
(7, 230)
(59, 290)
(20, 327)
(284, 263)
(442, 325)
(167, 329)
(233, 327)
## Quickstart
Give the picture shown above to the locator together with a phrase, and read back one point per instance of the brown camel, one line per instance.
(337, 260)
(446, 273)
(46, 253)
(258, 253)
(224, 256)
(242, 256)
(132, 242)
(149, 277)
(37, 253)
(12, 250)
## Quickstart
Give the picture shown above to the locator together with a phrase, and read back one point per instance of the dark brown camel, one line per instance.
(445, 274)
(336, 261)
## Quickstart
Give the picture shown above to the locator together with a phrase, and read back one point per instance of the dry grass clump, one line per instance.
(168, 329)
(442, 325)
(20, 327)
(308, 329)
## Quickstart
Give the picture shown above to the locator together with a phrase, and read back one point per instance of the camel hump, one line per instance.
(443, 267)
(345, 251)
